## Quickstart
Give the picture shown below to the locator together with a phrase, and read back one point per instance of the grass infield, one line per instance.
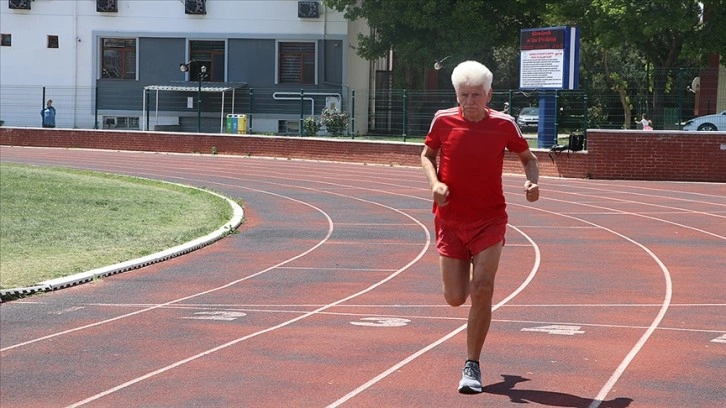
(57, 222)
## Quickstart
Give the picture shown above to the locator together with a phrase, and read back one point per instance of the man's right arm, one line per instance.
(439, 190)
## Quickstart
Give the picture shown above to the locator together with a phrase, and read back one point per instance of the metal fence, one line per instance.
(397, 114)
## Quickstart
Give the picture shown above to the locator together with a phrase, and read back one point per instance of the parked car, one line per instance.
(528, 118)
(713, 122)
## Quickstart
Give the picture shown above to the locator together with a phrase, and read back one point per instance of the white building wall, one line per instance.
(70, 71)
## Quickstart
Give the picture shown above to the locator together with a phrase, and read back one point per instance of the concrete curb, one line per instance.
(83, 277)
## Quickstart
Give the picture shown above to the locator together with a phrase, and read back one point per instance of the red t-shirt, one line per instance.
(471, 162)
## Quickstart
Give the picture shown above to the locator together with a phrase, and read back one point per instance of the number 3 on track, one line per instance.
(381, 322)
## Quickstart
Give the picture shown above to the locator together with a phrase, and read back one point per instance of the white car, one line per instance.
(712, 123)
(528, 118)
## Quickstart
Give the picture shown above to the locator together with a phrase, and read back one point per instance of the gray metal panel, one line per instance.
(332, 62)
(159, 59)
(252, 61)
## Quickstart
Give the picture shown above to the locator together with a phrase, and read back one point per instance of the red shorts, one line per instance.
(466, 240)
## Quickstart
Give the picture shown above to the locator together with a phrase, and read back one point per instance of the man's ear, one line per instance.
(490, 94)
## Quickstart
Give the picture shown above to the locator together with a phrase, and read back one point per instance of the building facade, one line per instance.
(116, 63)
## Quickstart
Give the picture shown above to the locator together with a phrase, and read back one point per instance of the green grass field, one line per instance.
(57, 222)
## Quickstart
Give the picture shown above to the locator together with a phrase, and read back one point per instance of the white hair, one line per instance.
(472, 73)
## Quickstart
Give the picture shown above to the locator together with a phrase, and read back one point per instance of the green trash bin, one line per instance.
(232, 123)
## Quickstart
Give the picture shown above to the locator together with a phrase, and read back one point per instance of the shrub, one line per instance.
(335, 121)
(310, 126)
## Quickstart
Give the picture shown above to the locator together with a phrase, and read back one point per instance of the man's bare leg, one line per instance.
(460, 280)
(481, 291)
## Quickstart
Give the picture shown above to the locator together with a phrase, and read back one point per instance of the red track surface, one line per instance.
(610, 294)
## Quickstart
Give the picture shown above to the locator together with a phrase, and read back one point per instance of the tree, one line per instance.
(423, 31)
(667, 33)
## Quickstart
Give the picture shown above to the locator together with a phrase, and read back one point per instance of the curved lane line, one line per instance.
(278, 326)
(616, 375)
(431, 346)
(654, 324)
(329, 233)
(649, 217)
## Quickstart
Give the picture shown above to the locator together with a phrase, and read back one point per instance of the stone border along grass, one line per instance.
(88, 276)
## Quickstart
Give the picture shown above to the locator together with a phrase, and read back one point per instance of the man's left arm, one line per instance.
(531, 170)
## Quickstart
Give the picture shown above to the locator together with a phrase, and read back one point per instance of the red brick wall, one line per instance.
(657, 155)
(634, 155)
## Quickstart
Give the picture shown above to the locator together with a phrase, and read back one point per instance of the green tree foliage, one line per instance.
(659, 34)
(424, 31)
(650, 36)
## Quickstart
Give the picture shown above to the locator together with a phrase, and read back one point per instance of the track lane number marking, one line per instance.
(556, 329)
(381, 322)
(219, 315)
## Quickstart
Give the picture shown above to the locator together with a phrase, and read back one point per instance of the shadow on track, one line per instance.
(550, 398)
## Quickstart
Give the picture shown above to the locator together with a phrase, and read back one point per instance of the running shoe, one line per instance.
(470, 379)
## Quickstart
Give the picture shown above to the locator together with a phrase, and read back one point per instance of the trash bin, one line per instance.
(232, 123)
(242, 124)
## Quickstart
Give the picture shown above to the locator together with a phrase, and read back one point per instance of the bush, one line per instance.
(335, 121)
(310, 126)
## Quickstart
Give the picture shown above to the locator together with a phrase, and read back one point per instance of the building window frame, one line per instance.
(297, 62)
(53, 41)
(210, 53)
(119, 58)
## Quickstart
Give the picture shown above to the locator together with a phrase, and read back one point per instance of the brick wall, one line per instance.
(632, 155)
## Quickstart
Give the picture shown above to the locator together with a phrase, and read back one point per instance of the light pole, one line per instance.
(202, 75)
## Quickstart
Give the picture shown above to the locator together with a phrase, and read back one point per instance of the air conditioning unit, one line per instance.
(308, 9)
(107, 6)
(195, 6)
(19, 4)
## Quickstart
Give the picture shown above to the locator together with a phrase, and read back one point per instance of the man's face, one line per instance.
(473, 100)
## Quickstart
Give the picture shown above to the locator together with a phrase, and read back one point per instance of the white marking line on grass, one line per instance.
(283, 324)
(424, 350)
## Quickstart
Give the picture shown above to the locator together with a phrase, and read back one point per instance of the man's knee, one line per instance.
(481, 291)
(455, 299)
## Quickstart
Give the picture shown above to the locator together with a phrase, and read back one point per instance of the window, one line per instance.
(52, 41)
(6, 40)
(211, 55)
(119, 58)
(296, 62)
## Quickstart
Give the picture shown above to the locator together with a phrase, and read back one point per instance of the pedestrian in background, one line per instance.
(646, 123)
(48, 114)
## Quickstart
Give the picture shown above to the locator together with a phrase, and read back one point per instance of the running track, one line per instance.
(610, 294)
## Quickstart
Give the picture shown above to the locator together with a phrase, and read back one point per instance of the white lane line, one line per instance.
(601, 191)
(645, 217)
(659, 317)
(314, 247)
(431, 346)
(644, 338)
(283, 324)
(640, 214)
(295, 309)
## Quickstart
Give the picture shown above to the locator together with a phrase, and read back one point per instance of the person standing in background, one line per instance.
(48, 114)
